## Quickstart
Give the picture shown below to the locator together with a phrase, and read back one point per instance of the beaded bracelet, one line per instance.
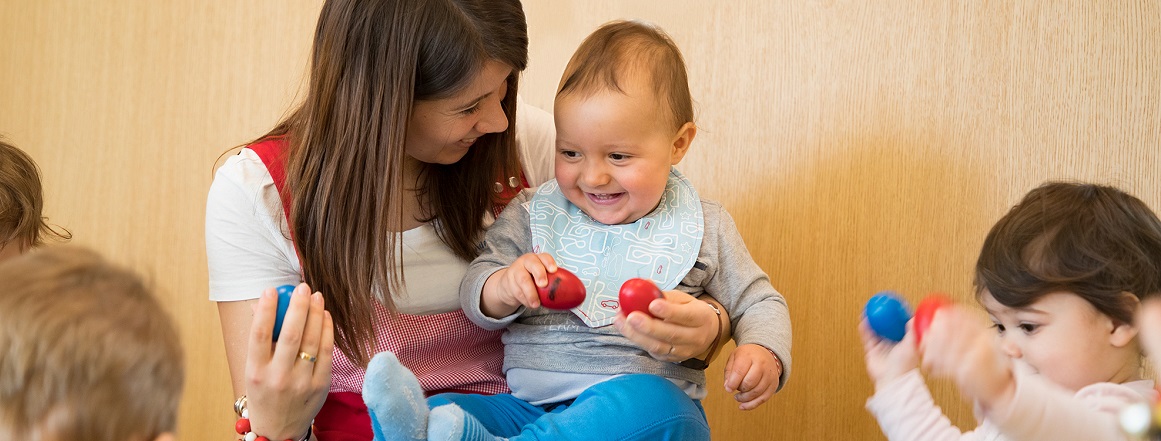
(243, 424)
(243, 428)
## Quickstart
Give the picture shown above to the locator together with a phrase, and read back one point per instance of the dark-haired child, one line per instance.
(1060, 275)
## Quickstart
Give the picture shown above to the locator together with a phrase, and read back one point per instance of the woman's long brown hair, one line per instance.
(371, 61)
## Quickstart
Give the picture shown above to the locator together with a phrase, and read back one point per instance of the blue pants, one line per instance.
(629, 407)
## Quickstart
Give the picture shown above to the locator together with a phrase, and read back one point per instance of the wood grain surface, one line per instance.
(859, 146)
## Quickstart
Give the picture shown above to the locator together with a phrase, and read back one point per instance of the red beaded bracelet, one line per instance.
(243, 428)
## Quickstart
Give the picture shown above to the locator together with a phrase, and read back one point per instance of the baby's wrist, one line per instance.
(891, 380)
(999, 393)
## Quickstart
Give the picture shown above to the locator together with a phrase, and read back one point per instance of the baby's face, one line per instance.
(1064, 338)
(613, 153)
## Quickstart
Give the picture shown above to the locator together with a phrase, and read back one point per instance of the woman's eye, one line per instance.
(471, 110)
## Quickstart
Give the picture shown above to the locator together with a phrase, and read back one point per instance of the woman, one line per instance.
(398, 158)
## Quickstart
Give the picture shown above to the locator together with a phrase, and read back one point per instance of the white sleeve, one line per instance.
(247, 247)
(1040, 410)
(536, 141)
(906, 412)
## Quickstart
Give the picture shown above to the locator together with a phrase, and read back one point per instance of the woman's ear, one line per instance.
(682, 140)
(1124, 333)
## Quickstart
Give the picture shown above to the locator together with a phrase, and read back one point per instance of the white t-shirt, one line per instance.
(248, 246)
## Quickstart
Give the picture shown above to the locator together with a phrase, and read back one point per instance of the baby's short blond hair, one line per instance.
(621, 48)
(88, 353)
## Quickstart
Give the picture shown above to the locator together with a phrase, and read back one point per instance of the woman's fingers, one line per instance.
(312, 332)
(657, 336)
(322, 371)
(262, 329)
(290, 340)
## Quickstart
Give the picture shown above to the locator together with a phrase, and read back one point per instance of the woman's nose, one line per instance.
(494, 120)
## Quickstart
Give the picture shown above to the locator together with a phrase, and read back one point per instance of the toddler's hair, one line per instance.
(22, 200)
(1095, 241)
(621, 48)
(88, 353)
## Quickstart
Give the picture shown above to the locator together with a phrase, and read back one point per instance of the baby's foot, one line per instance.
(450, 423)
(395, 400)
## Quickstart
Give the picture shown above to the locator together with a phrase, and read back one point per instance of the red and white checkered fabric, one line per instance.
(447, 352)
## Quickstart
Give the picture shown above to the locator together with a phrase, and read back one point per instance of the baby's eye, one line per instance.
(569, 154)
(999, 328)
(618, 156)
(1029, 328)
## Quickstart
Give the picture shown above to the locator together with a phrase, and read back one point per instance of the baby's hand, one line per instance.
(1149, 323)
(885, 359)
(507, 289)
(960, 347)
(752, 374)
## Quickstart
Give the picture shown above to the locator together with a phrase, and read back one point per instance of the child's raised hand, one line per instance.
(887, 360)
(752, 375)
(958, 346)
(1149, 324)
(507, 289)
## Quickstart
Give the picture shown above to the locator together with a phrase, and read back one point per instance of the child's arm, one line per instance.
(758, 312)
(505, 242)
(1149, 322)
(960, 347)
(902, 405)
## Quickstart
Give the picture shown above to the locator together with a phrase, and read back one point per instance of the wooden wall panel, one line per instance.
(860, 146)
(126, 105)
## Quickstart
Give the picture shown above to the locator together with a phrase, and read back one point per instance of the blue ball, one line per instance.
(284, 292)
(887, 315)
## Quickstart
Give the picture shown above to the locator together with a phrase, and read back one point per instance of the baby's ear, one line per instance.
(1124, 333)
(682, 141)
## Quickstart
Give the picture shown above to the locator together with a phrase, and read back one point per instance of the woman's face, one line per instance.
(441, 131)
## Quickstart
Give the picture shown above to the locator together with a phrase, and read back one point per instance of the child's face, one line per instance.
(614, 152)
(1065, 339)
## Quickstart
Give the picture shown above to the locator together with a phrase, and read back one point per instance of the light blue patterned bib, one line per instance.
(662, 246)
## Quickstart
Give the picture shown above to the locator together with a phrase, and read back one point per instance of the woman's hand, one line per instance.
(287, 381)
(683, 328)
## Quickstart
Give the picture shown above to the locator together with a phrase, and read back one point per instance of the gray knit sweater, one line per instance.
(558, 341)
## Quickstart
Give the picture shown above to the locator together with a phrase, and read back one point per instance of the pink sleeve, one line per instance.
(905, 411)
(1043, 411)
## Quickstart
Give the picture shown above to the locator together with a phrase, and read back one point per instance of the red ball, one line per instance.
(636, 295)
(564, 290)
(242, 426)
(925, 312)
